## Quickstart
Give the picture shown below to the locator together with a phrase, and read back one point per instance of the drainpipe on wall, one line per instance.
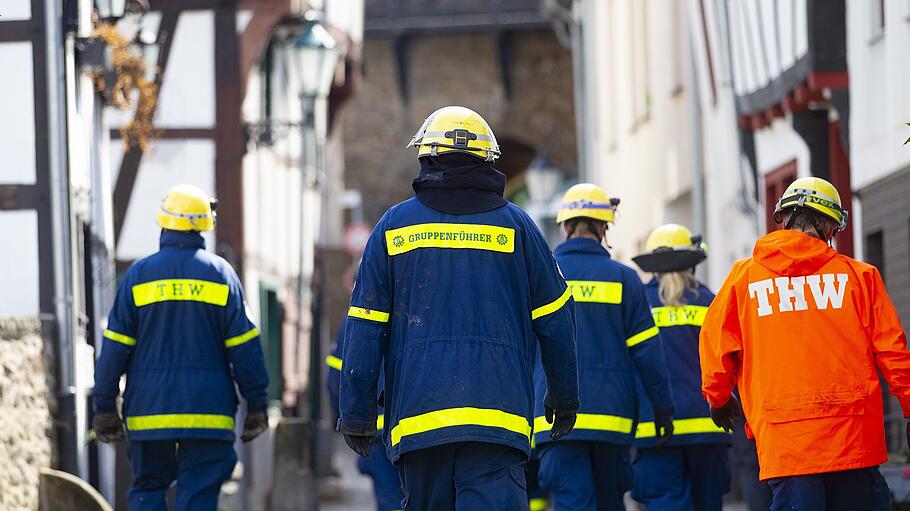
(61, 231)
(698, 155)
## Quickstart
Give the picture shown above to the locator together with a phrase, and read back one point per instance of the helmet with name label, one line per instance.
(671, 247)
(455, 129)
(813, 193)
(187, 208)
(587, 200)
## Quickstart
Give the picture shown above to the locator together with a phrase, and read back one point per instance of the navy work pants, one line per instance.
(585, 475)
(464, 476)
(386, 485)
(851, 490)
(685, 478)
(198, 466)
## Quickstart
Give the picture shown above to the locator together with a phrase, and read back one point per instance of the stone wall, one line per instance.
(456, 69)
(26, 401)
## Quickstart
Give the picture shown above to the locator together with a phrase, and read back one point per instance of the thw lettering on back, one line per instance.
(827, 290)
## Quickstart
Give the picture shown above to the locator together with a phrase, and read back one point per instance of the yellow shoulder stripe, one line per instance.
(242, 338)
(122, 339)
(369, 314)
(333, 362)
(553, 306)
(642, 336)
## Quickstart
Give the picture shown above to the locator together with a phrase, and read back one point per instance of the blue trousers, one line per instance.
(851, 490)
(585, 475)
(685, 478)
(198, 466)
(464, 476)
(386, 485)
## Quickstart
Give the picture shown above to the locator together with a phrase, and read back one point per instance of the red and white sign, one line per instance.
(355, 238)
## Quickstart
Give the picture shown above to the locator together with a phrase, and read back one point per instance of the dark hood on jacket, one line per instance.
(792, 253)
(459, 184)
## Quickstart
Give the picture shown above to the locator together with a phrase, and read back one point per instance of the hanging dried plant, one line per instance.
(129, 74)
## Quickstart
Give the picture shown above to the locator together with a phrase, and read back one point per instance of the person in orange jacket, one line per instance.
(801, 329)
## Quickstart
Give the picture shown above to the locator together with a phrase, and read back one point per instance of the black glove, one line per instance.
(361, 444)
(563, 423)
(663, 430)
(108, 427)
(254, 425)
(724, 416)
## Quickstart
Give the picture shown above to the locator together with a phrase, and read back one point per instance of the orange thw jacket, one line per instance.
(801, 330)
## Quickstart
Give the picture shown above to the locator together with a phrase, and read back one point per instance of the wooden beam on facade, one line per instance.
(129, 165)
(229, 136)
(18, 30)
(175, 134)
(17, 197)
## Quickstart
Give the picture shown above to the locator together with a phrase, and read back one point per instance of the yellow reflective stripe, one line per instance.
(333, 362)
(166, 290)
(642, 336)
(693, 315)
(242, 338)
(538, 504)
(595, 421)
(681, 427)
(553, 306)
(372, 315)
(380, 422)
(122, 339)
(179, 421)
(466, 416)
(596, 291)
(441, 235)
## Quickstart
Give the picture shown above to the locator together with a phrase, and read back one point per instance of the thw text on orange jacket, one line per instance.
(801, 329)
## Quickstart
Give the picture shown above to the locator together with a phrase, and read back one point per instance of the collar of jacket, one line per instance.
(181, 239)
(459, 184)
(583, 245)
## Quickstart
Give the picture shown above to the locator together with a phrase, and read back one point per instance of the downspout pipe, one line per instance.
(698, 155)
(61, 229)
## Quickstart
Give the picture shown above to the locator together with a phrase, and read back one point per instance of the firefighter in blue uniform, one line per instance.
(180, 331)
(457, 293)
(692, 471)
(386, 485)
(617, 342)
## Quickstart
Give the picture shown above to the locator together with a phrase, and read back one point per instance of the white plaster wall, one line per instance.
(730, 219)
(646, 164)
(17, 129)
(12, 10)
(167, 164)
(187, 97)
(879, 102)
(19, 260)
(778, 144)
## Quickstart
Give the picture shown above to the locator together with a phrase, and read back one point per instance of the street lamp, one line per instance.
(543, 178)
(116, 9)
(311, 58)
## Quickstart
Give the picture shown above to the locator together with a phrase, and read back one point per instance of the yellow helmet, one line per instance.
(455, 129)
(814, 193)
(671, 247)
(589, 201)
(187, 208)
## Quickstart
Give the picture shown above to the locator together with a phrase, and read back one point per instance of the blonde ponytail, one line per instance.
(673, 287)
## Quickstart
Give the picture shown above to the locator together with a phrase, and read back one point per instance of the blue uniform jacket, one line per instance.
(679, 329)
(333, 379)
(617, 342)
(456, 306)
(180, 331)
